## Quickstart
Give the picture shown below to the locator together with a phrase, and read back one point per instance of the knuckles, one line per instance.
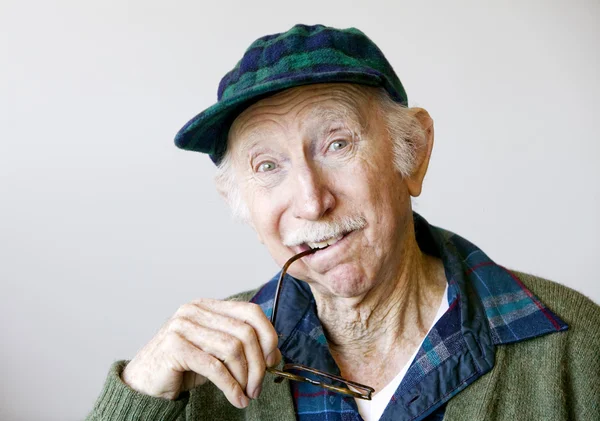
(178, 324)
(186, 309)
(172, 340)
(189, 313)
(255, 310)
(234, 349)
(246, 331)
(215, 366)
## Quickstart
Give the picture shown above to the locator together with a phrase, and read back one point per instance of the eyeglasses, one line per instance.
(360, 390)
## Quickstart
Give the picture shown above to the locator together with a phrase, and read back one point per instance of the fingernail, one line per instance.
(257, 391)
(244, 401)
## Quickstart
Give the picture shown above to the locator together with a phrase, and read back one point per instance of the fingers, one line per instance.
(235, 339)
(226, 348)
(228, 343)
(248, 313)
(196, 360)
(274, 358)
(242, 340)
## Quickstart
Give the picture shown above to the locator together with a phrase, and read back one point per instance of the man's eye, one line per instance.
(337, 145)
(266, 166)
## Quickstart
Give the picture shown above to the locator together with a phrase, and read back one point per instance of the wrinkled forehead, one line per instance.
(302, 109)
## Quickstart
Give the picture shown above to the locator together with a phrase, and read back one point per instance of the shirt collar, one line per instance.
(487, 291)
(496, 307)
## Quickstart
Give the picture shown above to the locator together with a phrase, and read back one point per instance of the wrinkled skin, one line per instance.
(310, 155)
(319, 153)
(314, 179)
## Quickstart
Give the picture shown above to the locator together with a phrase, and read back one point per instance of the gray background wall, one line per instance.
(106, 228)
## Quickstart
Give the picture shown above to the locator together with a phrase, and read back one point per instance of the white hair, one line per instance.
(227, 185)
(404, 130)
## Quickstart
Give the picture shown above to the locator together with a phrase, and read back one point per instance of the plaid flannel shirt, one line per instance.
(489, 306)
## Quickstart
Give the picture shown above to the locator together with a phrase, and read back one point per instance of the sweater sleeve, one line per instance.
(583, 360)
(119, 402)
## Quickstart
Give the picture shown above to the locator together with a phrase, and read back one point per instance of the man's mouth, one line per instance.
(325, 243)
(319, 245)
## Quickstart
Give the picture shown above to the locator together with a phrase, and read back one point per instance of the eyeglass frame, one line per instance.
(281, 374)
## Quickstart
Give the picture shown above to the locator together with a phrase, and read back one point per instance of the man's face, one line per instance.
(315, 163)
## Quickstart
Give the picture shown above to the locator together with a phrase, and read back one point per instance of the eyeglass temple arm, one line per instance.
(368, 390)
(280, 281)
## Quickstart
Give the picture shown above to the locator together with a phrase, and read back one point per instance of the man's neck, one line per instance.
(371, 340)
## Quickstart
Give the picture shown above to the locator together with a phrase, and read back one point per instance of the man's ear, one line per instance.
(423, 153)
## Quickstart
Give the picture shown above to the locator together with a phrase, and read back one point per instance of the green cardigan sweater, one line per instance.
(551, 377)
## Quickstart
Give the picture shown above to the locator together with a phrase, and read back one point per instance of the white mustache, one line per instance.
(315, 232)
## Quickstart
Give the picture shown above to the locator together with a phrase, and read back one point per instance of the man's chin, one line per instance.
(342, 282)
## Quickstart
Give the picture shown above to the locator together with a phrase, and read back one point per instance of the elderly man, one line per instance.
(381, 316)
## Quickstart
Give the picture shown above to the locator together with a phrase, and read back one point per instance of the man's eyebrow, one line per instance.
(343, 115)
(327, 120)
(333, 113)
(251, 140)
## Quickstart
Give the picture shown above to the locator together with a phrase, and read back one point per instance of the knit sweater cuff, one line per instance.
(119, 402)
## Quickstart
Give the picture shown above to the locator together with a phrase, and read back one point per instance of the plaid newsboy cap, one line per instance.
(303, 55)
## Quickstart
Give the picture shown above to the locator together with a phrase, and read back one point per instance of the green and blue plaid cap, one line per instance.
(303, 55)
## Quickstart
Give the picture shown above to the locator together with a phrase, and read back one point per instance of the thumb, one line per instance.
(192, 380)
(273, 358)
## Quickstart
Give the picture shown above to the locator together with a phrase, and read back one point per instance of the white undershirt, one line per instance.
(373, 409)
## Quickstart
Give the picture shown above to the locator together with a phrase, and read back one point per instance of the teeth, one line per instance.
(324, 243)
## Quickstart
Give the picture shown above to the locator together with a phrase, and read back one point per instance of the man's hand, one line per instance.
(229, 343)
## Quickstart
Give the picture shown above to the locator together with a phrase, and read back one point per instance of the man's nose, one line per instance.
(312, 198)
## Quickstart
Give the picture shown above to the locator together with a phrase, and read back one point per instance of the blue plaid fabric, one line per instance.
(489, 306)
